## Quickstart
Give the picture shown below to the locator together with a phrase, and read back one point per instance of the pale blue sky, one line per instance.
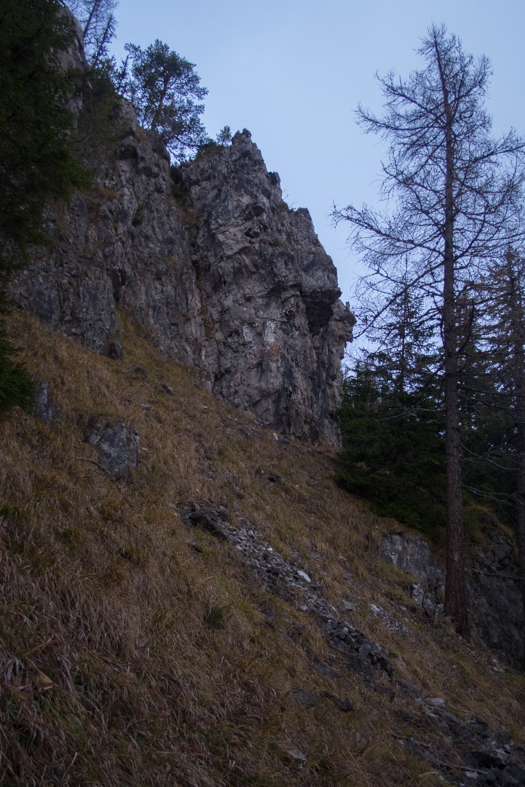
(294, 71)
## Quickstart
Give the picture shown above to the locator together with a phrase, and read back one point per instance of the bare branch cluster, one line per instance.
(98, 24)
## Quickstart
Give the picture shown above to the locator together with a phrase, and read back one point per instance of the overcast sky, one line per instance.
(294, 71)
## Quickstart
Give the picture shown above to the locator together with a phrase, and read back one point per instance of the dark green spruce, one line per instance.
(38, 163)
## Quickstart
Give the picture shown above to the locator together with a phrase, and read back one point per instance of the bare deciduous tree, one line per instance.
(455, 194)
(98, 25)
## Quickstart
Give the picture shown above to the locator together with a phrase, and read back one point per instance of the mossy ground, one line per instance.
(129, 658)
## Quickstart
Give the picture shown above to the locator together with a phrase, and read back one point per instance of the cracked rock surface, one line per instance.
(495, 603)
(291, 583)
(45, 410)
(228, 280)
(118, 447)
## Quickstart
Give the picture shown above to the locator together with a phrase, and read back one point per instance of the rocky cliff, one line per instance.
(494, 599)
(220, 272)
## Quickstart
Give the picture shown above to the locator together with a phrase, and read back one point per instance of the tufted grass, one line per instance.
(129, 658)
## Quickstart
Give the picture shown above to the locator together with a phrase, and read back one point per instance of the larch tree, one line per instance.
(454, 193)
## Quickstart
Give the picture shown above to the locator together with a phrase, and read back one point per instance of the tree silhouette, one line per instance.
(455, 194)
(163, 87)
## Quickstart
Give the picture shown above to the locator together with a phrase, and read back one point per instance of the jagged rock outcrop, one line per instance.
(283, 579)
(118, 447)
(270, 291)
(495, 605)
(232, 282)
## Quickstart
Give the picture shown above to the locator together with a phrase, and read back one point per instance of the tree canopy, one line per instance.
(164, 89)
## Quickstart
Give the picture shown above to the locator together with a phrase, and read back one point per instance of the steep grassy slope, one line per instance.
(135, 650)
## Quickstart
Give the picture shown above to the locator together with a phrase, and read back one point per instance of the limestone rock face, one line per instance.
(276, 326)
(494, 600)
(496, 606)
(228, 279)
(74, 56)
(413, 556)
(118, 447)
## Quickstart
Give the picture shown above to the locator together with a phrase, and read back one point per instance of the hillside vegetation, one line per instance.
(137, 650)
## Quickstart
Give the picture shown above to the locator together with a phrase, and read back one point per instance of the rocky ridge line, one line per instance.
(215, 267)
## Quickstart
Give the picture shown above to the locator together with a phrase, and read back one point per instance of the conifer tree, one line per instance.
(163, 88)
(497, 451)
(392, 421)
(456, 194)
(37, 159)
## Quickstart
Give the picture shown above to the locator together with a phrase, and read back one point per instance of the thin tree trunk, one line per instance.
(520, 521)
(517, 335)
(105, 39)
(158, 113)
(94, 9)
(455, 591)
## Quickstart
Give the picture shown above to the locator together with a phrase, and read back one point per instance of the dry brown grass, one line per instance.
(128, 658)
